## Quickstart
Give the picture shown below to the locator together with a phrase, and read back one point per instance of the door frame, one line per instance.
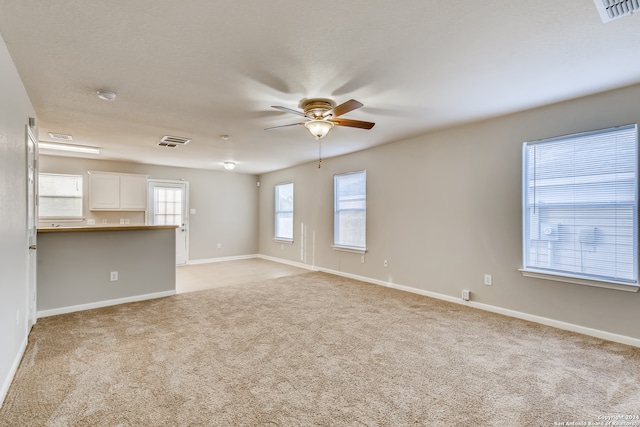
(185, 208)
(31, 309)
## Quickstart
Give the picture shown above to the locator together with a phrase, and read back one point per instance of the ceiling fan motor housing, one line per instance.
(315, 108)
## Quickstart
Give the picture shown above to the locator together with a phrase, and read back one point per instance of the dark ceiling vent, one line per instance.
(173, 141)
(614, 9)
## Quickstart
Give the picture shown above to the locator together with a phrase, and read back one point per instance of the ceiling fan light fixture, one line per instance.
(229, 165)
(319, 128)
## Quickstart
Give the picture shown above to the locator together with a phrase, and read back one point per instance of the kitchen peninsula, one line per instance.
(88, 267)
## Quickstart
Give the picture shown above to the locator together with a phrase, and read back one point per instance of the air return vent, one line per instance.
(60, 136)
(614, 9)
(173, 141)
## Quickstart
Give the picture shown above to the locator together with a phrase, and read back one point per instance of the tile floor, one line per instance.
(197, 277)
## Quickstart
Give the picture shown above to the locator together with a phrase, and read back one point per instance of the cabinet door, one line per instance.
(133, 192)
(104, 191)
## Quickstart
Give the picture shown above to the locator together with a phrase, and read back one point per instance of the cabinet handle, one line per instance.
(32, 247)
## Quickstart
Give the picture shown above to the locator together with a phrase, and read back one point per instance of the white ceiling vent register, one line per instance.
(173, 141)
(614, 9)
(60, 136)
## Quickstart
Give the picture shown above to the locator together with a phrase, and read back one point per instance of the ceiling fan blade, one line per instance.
(353, 123)
(288, 110)
(284, 126)
(344, 108)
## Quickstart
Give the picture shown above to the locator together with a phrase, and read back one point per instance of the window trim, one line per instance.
(347, 248)
(80, 217)
(618, 286)
(276, 238)
(566, 276)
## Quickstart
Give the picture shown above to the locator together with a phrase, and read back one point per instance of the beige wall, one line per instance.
(445, 208)
(74, 267)
(225, 203)
(15, 110)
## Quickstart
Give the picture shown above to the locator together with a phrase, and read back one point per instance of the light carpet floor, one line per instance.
(314, 350)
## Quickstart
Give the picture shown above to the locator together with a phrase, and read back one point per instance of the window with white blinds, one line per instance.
(580, 206)
(284, 212)
(350, 211)
(59, 196)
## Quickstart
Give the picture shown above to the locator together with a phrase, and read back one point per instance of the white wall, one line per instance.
(15, 110)
(225, 202)
(445, 208)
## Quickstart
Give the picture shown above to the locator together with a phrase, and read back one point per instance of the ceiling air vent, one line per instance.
(60, 136)
(614, 9)
(173, 141)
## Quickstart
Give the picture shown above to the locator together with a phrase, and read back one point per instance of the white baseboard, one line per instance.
(106, 303)
(14, 368)
(622, 339)
(287, 262)
(228, 258)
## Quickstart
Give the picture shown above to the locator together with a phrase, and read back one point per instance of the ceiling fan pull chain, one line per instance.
(319, 154)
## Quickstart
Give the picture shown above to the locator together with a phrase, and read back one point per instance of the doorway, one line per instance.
(169, 205)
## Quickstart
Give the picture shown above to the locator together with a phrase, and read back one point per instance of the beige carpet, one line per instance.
(314, 350)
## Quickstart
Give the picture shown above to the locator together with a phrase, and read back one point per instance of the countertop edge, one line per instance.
(107, 228)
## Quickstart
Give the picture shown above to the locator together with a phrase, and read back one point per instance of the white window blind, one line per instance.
(284, 211)
(59, 196)
(350, 210)
(580, 205)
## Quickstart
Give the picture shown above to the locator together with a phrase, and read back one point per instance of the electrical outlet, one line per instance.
(91, 221)
(488, 280)
(121, 220)
(386, 263)
(113, 276)
(362, 259)
(219, 245)
(126, 221)
(466, 295)
(104, 221)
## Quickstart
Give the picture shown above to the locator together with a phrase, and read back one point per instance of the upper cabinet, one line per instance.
(110, 191)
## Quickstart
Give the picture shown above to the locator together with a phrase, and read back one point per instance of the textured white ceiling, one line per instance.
(203, 68)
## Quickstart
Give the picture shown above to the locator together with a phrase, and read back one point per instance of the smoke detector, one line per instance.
(613, 9)
(106, 95)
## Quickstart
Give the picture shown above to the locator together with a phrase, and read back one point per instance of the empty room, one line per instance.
(331, 214)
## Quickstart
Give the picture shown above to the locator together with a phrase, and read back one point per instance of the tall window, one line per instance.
(59, 196)
(350, 210)
(580, 206)
(284, 212)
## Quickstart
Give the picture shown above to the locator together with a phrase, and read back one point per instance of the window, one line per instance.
(60, 196)
(350, 211)
(580, 206)
(284, 212)
(167, 205)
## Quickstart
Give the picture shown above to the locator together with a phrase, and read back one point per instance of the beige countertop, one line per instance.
(103, 228)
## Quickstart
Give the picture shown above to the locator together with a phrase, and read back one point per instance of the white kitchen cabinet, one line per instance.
(109, 191)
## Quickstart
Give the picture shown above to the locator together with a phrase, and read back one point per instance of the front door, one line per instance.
(32, 225)
(168, 205)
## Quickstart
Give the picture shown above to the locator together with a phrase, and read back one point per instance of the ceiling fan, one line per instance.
(322, 115)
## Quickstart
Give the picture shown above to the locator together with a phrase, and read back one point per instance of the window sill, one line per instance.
(289, 242)
(349, 249)
(595, 283)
